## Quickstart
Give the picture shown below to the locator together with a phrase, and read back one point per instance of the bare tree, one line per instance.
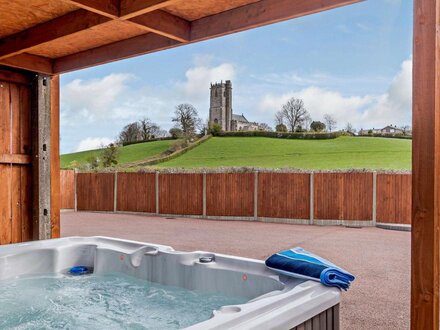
(330, 122)
(349, 128)
(406, 129)
(264, 127)
(307, 122)
(187, 118)
(294, 113)
(130, 133)
(279, 118)
(149, 130)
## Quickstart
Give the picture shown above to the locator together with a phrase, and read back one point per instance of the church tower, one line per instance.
(220, 111)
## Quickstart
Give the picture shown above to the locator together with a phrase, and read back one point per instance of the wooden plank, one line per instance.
(5, 205)
(57, 28)
(26, 202)
(108, 8)
(284, 195)
(165, 24)
(246, 17)
(29, 62)
(132, 8)
(55, 155)
(343, 196)
(6, 75)
(41, 157)
(394, 198)
(67, 189)
(139, 45)
(95, 191)
(136, 192)
(230, 194)
(181, 194)
(22, 159)
(425, 232)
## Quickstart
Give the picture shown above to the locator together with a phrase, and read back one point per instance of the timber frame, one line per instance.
(150, 26)
(70, 35)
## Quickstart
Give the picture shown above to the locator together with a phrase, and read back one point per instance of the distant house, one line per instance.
(387, 130)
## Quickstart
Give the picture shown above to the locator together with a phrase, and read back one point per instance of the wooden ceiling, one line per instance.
(56, 36)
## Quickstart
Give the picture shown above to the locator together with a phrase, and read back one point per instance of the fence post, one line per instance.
(204, 194)
(374, 213)
(157, 193)
(312, 197)
(256, 195)
(75, 202)
(115, 193)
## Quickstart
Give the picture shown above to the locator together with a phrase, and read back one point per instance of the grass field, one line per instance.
(340, 153)
(127, 154)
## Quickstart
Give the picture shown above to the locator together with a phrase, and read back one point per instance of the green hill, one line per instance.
(131, 153)
(340, 153)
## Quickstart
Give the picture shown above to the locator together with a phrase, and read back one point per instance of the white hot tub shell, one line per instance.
(275, 302)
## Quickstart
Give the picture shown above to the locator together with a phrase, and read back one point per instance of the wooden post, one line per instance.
(41, 157)
(55, 155)
(426, 167)
(157, 193)
(115, 193)
(312, 198)
(204, 194)
(374, 206)
(256, 195)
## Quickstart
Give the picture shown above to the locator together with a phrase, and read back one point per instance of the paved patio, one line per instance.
(378, 299)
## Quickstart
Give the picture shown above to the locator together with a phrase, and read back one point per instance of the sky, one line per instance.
(352, 62)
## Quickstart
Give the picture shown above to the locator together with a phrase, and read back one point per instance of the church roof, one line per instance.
(240, 118)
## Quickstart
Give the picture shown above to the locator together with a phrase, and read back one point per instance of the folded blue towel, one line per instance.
(300, 263)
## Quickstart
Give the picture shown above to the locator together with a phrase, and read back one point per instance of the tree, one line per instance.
(307, 122)
(294, 113)
(148, 129)
(176, 133)
(281, 128)
(187, 119)
(330, 122)
(92, 162)
(214, 129)
(110, 155)
(349, 128)
(130, 133)
(317, 126)
(406, 129)
(264, 127)
(279, 118)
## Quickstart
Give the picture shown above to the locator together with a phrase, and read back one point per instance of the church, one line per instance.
(220, 111)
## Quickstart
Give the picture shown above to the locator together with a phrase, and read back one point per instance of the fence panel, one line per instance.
(284, 195)
(394, 198)
(95, 191)
(136, 192)
(230, 194)
(343, 196)
(181, 194)
(67, 189)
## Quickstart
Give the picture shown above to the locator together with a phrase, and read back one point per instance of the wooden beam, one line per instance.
(426, 167)
(242, 18)
(108, 8)
(57, 28)
(29, 62)
(132, 8)
(165, 24)
(9, 76)
(258, 14)
(139, 45)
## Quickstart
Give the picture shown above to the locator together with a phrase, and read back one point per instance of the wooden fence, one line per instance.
(354, 198)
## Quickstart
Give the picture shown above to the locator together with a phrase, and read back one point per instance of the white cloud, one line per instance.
(199, 77)
(93, 143)
(392, 107)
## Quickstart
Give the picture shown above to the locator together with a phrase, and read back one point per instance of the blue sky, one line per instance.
(353, 62)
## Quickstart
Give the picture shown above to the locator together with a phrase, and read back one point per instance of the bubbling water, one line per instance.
(104, 301)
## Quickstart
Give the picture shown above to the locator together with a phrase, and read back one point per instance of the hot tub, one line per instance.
(243, 293)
